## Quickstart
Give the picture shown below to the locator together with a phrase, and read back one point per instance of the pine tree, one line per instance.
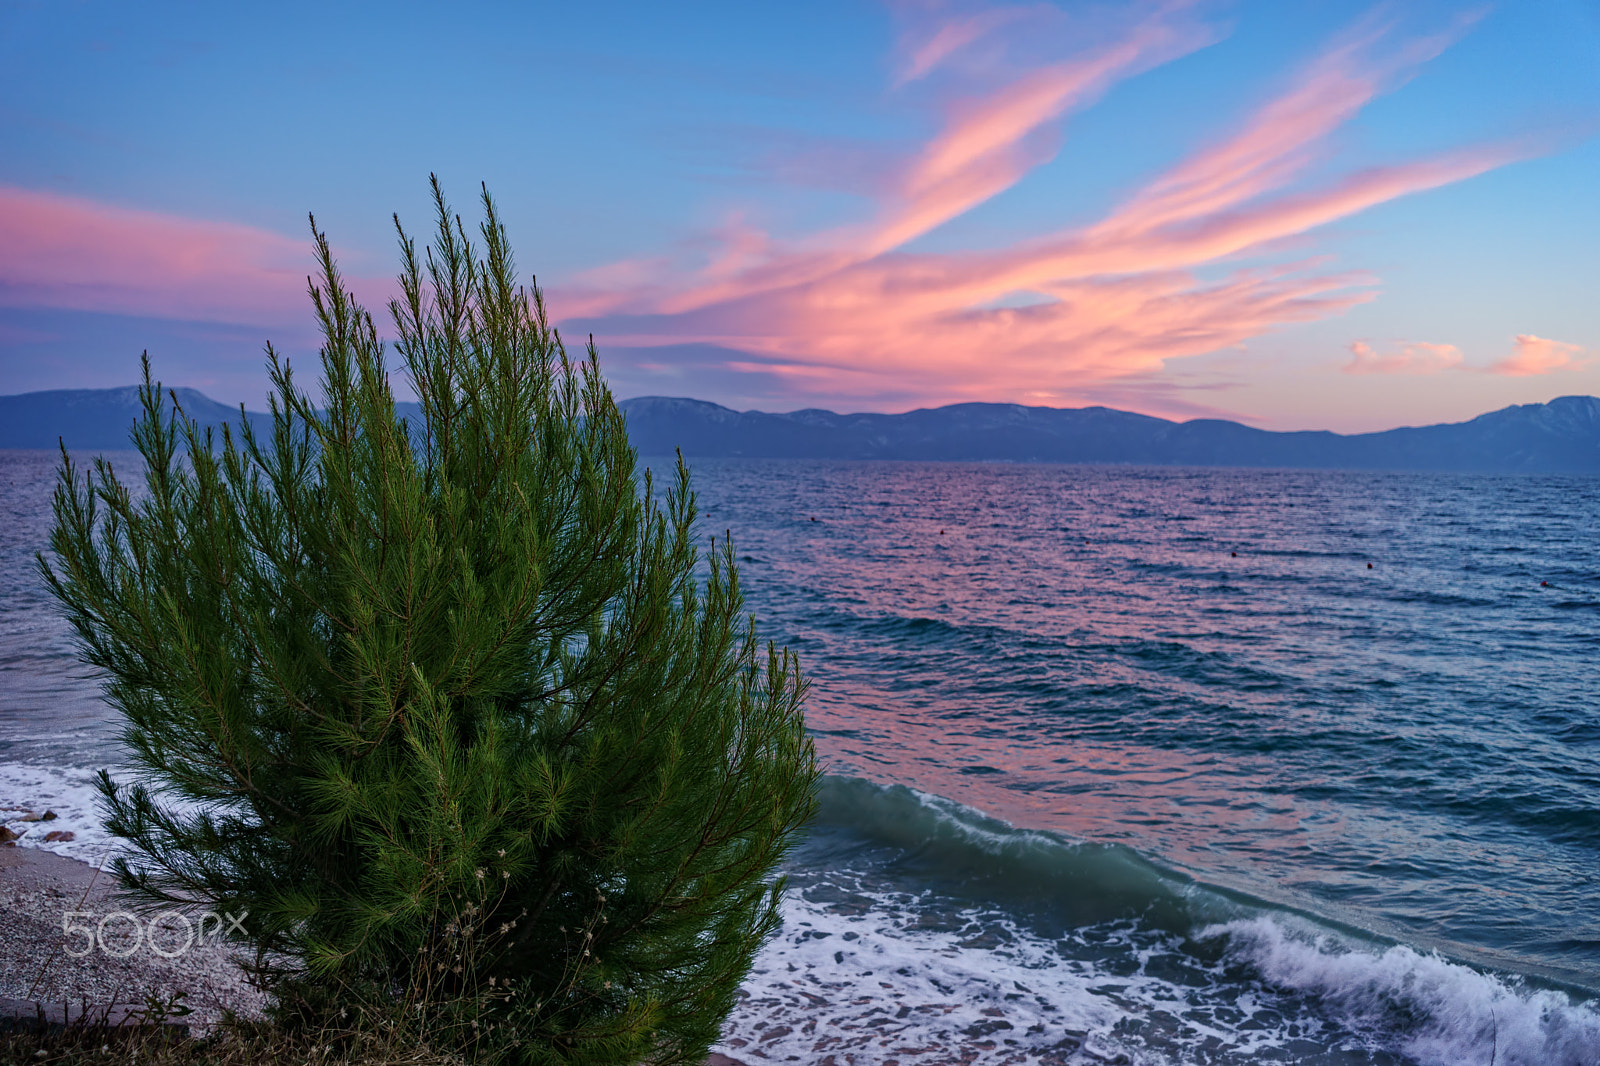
(459, 712)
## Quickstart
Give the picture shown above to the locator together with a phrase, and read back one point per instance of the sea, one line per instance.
(1123, 764)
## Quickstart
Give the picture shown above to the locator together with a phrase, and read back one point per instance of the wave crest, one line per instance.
(1441, 1012)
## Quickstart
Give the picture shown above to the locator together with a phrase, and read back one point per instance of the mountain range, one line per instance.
(1562, 436)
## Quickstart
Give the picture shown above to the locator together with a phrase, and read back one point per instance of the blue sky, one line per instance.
(1299, 215)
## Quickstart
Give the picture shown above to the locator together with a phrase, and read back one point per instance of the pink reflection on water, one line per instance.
(1193, 810)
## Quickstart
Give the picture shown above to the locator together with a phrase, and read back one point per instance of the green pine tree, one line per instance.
(460, 713)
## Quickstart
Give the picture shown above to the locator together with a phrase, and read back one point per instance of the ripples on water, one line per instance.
(1193, 667)
(1413, 747)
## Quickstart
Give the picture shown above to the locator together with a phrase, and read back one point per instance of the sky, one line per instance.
(1308, 215)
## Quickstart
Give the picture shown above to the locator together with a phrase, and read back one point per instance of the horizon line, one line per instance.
(889, 414)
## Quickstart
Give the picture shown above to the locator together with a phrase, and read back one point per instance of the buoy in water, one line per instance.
(1369, 566)
(1234, 554)
(1544, 584)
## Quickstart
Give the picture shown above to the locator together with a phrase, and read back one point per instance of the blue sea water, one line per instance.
(1151, 765)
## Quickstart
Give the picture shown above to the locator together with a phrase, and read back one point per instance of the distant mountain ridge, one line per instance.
(99, 419)
(90, 418)
(1562, 436)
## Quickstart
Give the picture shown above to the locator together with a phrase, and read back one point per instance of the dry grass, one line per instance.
(233, 1042)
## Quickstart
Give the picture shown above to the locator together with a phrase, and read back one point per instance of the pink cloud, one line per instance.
(65, 252)
(1126, 243)
(988, 144)
(1418, 357)
(927, 46)
(1282, 140)
(852, 313)
(1537, 355)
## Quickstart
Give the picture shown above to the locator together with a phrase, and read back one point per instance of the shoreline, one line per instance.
(857, 978)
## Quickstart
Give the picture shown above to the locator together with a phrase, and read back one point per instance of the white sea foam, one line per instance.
(929, 981)
(69, 792)
(893, 991)
(988, 993)
(906, 990)
(1437, 1012)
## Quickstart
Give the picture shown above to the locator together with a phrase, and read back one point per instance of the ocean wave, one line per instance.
(1436, 1012)
(863, 974)
(938, 842)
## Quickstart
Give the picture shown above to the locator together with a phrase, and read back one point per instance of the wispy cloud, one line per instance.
(1417, 357)
(987, 145)
(928, 43)
(1533, 355)
(66, 252)
(1188, 264)
(855, 313)
(1530, 356)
